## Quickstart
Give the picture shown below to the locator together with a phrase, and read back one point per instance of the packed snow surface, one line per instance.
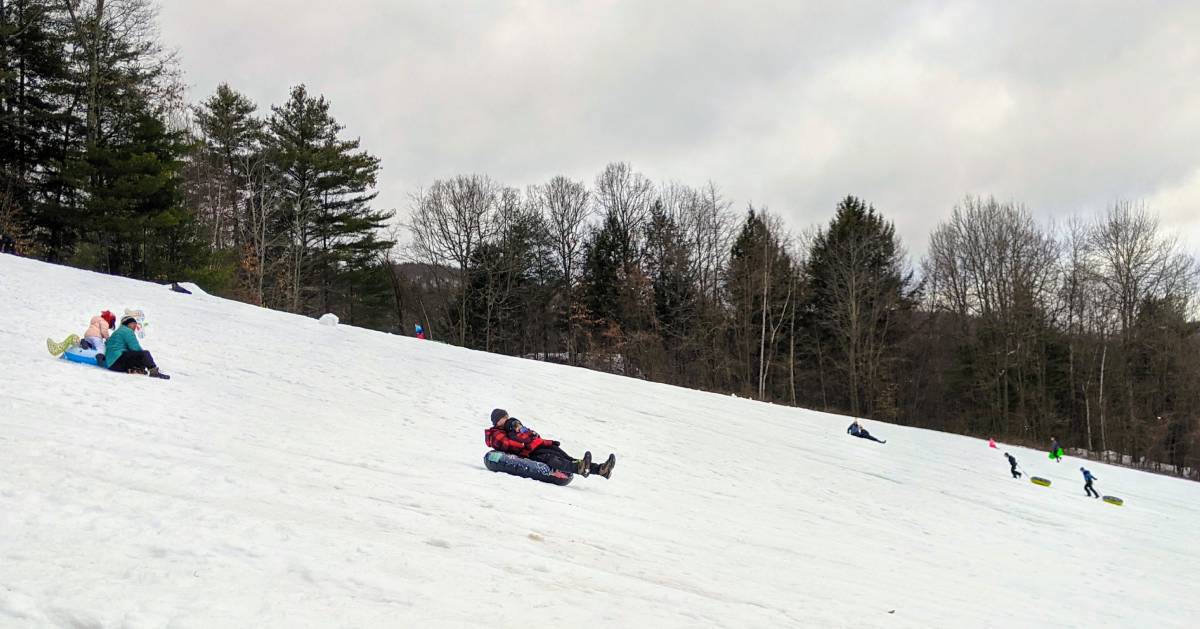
(298, 475)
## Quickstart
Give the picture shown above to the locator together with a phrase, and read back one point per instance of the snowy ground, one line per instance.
(298, 475)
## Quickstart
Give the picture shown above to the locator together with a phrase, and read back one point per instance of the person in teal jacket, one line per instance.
(123, 352)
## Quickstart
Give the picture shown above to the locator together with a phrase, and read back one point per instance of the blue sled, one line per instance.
(82, 356)
(526, 468)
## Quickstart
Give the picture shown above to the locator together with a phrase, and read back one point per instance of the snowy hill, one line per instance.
(298, 475)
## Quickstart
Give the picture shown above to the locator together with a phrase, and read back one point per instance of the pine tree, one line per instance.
(33, 75)
(603, 272)
(134, 209)
(857, 285)
(759, 282)
(230, 137)
(668, 264)
(326, 187)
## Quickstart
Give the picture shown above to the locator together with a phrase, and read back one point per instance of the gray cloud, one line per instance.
(1064, 106)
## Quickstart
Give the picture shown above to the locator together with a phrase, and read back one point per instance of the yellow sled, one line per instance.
(1113, 500)
(1038, 480)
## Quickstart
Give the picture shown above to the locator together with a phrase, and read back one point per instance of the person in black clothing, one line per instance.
(7, 244)
(857, 430)
(1012, 462)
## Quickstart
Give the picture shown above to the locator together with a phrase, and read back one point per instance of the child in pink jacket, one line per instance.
(98, 331)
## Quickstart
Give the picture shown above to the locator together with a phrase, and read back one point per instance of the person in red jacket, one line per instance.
(507, 434)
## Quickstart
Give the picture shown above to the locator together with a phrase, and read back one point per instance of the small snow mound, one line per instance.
(329, 319)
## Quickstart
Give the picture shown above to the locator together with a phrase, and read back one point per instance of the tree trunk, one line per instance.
(93, 105)
(762, 336)
(1103, 439)
(792, 354)
(462, 314)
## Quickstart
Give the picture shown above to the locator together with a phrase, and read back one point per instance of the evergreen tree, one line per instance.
(760, 285)
(856, 287)
(33, 75)
(133, 209)
(668, 263)
(603, 272)
(326, 189)
(230, 137)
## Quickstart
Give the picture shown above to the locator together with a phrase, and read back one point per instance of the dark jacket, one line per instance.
(1087, 476)
(855, 429)
(520, 443)
(1012, 460)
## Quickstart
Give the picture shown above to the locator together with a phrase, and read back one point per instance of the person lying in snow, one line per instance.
(98, 331)
(507, 434)
(857, 430)
(124, 353)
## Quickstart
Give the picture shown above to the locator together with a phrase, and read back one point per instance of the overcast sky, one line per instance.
(1063, 106)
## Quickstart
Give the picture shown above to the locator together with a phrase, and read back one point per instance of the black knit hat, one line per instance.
(498, 414)
(127, 319)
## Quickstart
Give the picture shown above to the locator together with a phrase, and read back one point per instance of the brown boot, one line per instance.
(155, 373)
(607, 466)
(583, 466)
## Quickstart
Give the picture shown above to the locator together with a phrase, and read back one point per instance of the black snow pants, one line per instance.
(866, 435)
(556, 458)
(1087, 487)
(133, 360)
(1015, 473)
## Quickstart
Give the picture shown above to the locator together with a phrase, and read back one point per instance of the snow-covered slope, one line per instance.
(298, 475)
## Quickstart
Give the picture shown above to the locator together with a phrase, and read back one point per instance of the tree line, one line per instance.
(1006, 328)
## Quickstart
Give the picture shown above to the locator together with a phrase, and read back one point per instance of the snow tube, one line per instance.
(77, 354)
(1113, 500)
(526, 468)
(1038, 480)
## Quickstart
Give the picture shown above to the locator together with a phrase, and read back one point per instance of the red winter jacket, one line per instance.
(518, 443)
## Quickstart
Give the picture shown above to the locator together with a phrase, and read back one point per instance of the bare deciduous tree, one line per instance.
(995, 268)
(566, 206)
(262, 206)
(449, 222)
(625, 196)
(1134, 260)
(1134, 265)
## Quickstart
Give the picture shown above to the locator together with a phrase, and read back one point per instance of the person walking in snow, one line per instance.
(98, 331)
(507, 434)
(1012, 463)
(123, 352)
(1056, 451)
(856, 429)
(1087, 484)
